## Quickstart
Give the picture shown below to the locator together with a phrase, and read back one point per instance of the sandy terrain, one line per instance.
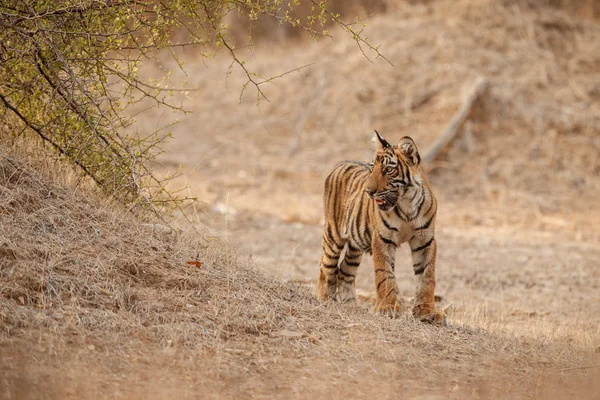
(518, 223)
(518, 227)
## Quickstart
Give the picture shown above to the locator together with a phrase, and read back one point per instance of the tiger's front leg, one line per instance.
(424, 249)
(384, 252)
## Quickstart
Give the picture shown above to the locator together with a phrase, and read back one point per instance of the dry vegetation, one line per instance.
(95, 304)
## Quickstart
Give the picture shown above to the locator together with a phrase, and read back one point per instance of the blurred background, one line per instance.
(517, 187)
(94, 303)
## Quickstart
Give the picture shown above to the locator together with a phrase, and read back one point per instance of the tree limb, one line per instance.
(457, 121)
(49, 140)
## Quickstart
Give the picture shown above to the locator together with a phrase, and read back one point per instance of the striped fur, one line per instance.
(373, 208)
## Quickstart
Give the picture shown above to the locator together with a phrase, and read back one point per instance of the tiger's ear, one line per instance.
(409, 149)
(380, 142)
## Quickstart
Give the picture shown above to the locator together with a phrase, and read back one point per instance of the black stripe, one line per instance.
(424, 246)
(385, 240)
(329, 266)
(367, 217)
(408, 176)
(351, 182)
(401, 168)
(327, 190)
(416, 213)
(331, 249)
(420, 270)
(328, 243)
(355, 231)
(385, 279)
(346, 274)
(352, 264)
(414, 195)
(330, 238)
(352, 248)
(430, 206)
(398, 213)
(328, 248)
(331, 258)
(352, 256)
(334, 197)
(357, 180)
(426, 225)
(388, 225)
(357, 223)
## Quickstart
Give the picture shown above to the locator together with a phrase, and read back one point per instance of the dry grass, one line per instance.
(96, 304)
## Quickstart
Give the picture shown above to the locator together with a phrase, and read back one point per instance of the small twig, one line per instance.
(50, 141)
(457, 120)
(539, 380)
(268, 80)
(357, 35)
(574, 368)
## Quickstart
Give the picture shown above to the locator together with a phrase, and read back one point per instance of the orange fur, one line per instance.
(373, 208)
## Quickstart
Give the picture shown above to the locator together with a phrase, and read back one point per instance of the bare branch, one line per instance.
(47, 139)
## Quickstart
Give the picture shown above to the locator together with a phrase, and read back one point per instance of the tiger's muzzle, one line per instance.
(384, 201)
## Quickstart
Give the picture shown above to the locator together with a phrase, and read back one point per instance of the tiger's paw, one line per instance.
(392, 310)
(430, 315)
(326, 290)
(345, 292)
(324, 293)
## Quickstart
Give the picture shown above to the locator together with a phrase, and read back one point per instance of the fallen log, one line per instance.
(457, 121)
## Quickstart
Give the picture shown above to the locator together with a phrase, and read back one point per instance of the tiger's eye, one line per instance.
(389, 170)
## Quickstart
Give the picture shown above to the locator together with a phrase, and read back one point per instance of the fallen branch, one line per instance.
(574, 368)
(544, 376)
(457, 121)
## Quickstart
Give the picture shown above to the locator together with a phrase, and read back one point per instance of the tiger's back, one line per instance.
(347, 208)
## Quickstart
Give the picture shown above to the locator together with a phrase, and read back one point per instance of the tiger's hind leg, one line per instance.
(346, 277)
(328, 267)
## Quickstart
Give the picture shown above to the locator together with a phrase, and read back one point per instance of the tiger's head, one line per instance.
(395, 173)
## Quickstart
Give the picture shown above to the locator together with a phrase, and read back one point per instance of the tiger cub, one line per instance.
(373, 208)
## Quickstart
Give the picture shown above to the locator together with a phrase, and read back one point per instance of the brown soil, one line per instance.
(94, 304)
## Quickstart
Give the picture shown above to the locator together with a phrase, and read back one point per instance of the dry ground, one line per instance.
(94, 304)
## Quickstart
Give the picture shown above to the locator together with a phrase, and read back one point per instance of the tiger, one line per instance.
(373, 208)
